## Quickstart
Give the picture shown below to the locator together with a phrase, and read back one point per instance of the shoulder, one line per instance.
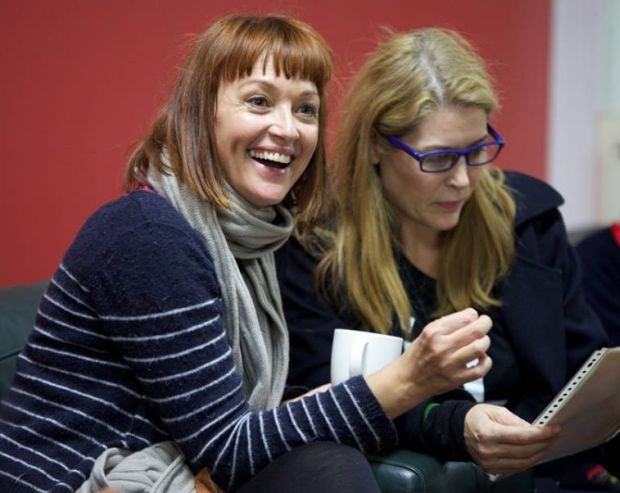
(137, 214)
(134, 209)
(138, 255)
(599, 245)
(141, 229)
(533, 197)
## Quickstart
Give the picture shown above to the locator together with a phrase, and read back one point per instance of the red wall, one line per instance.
(82, 80)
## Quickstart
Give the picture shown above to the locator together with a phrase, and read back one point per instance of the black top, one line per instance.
(504, 377)
(544, 317)
(600, 256)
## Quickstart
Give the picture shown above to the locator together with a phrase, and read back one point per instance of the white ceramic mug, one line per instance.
(355, 352)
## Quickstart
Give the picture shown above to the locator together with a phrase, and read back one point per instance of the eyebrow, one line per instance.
(274, 87)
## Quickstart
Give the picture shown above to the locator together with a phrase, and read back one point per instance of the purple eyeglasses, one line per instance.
(440, 160)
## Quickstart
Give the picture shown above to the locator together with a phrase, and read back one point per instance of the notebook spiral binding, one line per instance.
(569, 387)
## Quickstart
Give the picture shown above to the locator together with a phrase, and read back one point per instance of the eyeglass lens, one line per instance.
(442, 161)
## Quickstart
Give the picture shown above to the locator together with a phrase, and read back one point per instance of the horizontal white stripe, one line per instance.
(178, 354)
(104, 382)
(141, 418)
(146, 442)
(47, 316)
(187, 372)
(79, 356)
(19, 480)
(81, 394)
(64, 341)
(67, 408)
(211, 423)
(168, 335)
(34, 452)
(64, 269)
(67, 309)
(54, 422)
(72, 296)
(51, 440)
(30, 466)
(209, 403)
(80, 376)
(150, 316)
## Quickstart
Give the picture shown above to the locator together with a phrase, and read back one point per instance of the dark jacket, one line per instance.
(600, 257)
(551, 328)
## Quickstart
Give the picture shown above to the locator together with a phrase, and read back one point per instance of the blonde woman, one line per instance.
(422, 225)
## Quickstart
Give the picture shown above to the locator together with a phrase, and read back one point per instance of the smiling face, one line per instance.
(426, 204)
(266, 132)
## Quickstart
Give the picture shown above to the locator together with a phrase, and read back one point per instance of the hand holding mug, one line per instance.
(437, 361)
(440, 358)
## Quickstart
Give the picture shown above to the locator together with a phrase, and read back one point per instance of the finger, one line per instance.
(477, 371)
(448, 344)
(511, 463)
(510, 458)
(452, 322)
(471, 332)
(461, 357)
(520, 451)
(523, 436)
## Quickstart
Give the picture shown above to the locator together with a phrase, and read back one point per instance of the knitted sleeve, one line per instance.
(159, 299)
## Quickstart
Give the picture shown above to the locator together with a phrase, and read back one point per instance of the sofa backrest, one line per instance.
(18, 308)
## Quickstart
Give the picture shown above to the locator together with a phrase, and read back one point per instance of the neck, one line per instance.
(422, 247)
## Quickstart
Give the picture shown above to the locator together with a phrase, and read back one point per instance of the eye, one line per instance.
(258, 101)
(479, 151)
(309, 110)
(439, 158)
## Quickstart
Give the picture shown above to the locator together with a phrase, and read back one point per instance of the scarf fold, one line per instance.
(242, 241)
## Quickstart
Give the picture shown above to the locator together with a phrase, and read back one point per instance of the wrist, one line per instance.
(396, 390)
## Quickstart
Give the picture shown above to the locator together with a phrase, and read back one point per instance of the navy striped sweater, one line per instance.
(128, 349)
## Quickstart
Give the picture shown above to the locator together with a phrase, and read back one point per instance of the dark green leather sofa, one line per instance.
(399, 471)
(18, 307)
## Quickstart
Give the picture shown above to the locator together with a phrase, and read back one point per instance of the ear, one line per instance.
(375, 149)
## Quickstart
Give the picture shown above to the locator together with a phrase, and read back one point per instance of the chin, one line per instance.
(448, 225)
(259, 199)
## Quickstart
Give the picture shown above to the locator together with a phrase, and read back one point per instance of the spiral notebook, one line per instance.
(588, 407)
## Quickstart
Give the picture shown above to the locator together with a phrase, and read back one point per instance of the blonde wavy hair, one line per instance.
(407, 77)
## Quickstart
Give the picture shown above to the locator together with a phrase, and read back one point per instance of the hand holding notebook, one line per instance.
(588, 407)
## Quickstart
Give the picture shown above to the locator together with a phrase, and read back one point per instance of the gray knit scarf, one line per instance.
(242, 241)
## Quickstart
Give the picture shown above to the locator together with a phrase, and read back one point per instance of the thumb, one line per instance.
(504, 416)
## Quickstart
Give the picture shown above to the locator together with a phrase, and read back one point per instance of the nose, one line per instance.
(284, 125)
(459, 174)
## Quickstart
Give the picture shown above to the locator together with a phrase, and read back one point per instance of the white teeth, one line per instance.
(271, 156)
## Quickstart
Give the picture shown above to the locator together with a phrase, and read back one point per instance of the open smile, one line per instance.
(271, 159)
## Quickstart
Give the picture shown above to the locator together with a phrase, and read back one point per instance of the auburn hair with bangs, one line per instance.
(228, 50)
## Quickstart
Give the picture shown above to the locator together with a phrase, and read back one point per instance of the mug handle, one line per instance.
(357, 358)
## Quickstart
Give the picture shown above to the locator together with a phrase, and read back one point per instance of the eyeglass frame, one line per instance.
(419, 156)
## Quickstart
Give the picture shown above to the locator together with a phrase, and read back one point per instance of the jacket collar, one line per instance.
(532, 196)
